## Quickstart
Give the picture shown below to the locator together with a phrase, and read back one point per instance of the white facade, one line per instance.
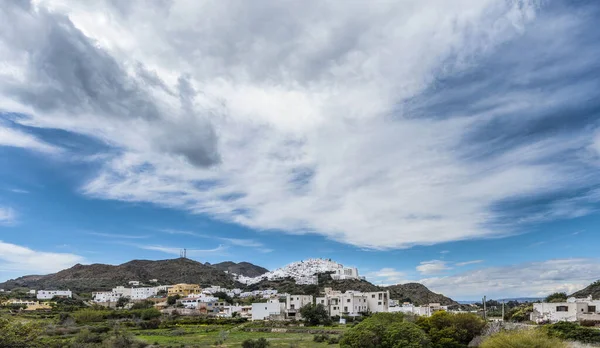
(345, 273)
(195, 301)
(122, 291)
(49, 294)
(105, 296)
(134, 283)
(262, 311)
(573, 310)
(143, 293)
(354, 302)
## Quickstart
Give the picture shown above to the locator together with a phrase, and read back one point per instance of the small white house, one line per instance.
(262, 311)
(134, 282)
(49, 294)
(575, 309)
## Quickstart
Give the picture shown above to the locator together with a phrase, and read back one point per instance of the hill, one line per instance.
(95, 277)
(245, 269)
(593, 289)
(418, 294)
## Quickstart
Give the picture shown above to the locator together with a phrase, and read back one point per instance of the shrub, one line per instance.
(451, 330)
(86, 336)
(84, 316)
(556, 297)
(150, 313)
(320, 338)
(18, 335)
(385, 330)
(149, 324)
(522, 339)
(259, 343)
(333, 340)
(574, 332)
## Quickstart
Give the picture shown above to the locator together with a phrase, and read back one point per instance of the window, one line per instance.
(379, 303)
(372, 296)
(265, 308)
(322, 301)
(591, 309)
(562, 308)
(380, 296)
(348, 300)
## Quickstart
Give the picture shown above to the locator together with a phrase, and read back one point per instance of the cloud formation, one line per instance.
(189, 252)
(433, 267)
(16, 258)
(536, 279)
(7, 216)
(382, 126)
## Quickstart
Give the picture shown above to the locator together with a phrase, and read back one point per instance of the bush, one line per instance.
(556, 297)
(320, 338)
(385, 330)
(451, 330)
(149, 324)
(150, 313)
(259, 343)
(143, 305)
(86, 336)
(522, 339)
(333, 340)
(84, 316)
(574, 332)
(18, 335)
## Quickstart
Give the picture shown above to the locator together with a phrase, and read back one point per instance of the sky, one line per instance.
(452, 143)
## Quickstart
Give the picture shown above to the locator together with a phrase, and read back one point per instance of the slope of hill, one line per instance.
(418, 294)
(86, 278)
(245, 269)
(592, 289)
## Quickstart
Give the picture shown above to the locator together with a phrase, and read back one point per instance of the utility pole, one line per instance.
(484, 309)
(502, 310)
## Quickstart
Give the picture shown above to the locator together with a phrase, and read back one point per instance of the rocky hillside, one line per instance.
(593, 289)
(245, 269)
(87, 278)
(301, 271)
(418, 294)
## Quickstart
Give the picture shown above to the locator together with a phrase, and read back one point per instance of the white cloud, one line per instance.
(309, 121)
(16, 258)
(115, 235)
(386, 276)
(189, 252)
(18, 191)
(7, 216)
(433, 267)
(14, 138)
(536, 279)
(465, 263)
(249, 243)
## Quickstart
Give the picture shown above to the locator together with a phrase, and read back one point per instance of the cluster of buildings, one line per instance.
(304, 272)
(406, 307)
(574, 309)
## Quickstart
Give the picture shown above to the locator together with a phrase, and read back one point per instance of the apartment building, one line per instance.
(49, 294)
(354, 303)
(185, 290)
(272, 309)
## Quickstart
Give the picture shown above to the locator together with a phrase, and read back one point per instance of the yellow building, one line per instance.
(31, 305)
(185, 290)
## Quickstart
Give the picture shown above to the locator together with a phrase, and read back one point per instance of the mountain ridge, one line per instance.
(592, 289)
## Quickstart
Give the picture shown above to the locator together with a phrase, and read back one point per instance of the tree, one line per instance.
(221, 295)
(556, 297)
(385, 330)
(171, 300)
(18, 335)
(315, 314)
(259, 343)
(122, 301)
(448, 330)
(145, 304)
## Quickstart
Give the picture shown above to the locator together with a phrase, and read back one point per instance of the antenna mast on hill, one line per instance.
(185, 253)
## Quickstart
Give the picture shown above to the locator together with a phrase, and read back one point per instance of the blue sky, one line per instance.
(452, 144)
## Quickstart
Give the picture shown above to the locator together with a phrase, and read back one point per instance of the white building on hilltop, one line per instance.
(49, 294)
(575, 309)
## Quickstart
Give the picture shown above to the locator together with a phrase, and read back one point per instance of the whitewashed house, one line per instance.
(575, 309)
(353, 303)
(143, 293)
(271, 309)
(49, 294)
(105, 296)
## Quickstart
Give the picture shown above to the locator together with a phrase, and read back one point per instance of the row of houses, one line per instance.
(574, 309)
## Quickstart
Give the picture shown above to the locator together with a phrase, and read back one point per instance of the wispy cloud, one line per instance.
(465, 263)
(15, 138)
(16, 258)
(433, 267)
(190, 252)
(15, 190)
(115, 235)
(7, 216)
(386, 276)
(249, 243)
